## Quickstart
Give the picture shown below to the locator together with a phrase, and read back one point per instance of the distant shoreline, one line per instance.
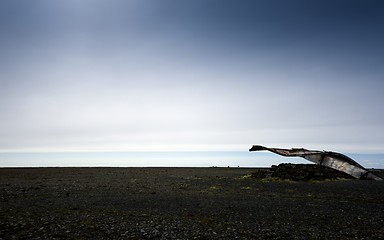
(154, 167)
(233, 159)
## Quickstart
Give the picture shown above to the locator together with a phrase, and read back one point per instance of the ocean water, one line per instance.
(164, 159)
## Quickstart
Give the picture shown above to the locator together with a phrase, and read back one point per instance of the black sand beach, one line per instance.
(183, 203)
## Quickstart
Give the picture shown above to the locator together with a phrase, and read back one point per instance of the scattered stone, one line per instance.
(215, 203)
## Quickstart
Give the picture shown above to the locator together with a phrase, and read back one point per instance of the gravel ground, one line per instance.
(183, 203)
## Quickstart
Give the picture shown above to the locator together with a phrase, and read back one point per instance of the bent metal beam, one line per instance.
(329, 159)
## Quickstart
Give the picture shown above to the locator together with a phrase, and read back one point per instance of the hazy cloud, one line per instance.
(98, 74)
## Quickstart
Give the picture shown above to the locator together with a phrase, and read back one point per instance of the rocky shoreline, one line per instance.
(184, 203)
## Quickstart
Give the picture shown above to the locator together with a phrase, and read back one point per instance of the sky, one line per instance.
(175, 75)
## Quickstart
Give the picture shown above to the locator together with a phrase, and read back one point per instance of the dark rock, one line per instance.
(301, 172)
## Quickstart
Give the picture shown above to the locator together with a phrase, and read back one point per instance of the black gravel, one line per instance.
(183, 203)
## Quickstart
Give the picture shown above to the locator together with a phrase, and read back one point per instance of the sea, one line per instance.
(165, 159)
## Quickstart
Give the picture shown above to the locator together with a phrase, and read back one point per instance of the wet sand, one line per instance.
(183, 203)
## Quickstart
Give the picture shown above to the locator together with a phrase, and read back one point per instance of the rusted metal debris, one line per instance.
(329, 159)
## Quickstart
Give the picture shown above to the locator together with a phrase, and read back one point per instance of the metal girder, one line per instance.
(329, 159)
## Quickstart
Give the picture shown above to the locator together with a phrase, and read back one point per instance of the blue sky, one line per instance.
(82, 75)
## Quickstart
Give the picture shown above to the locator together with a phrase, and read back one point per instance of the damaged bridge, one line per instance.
(329, 159)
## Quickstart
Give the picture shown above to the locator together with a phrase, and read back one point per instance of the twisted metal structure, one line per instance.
(329, 159)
